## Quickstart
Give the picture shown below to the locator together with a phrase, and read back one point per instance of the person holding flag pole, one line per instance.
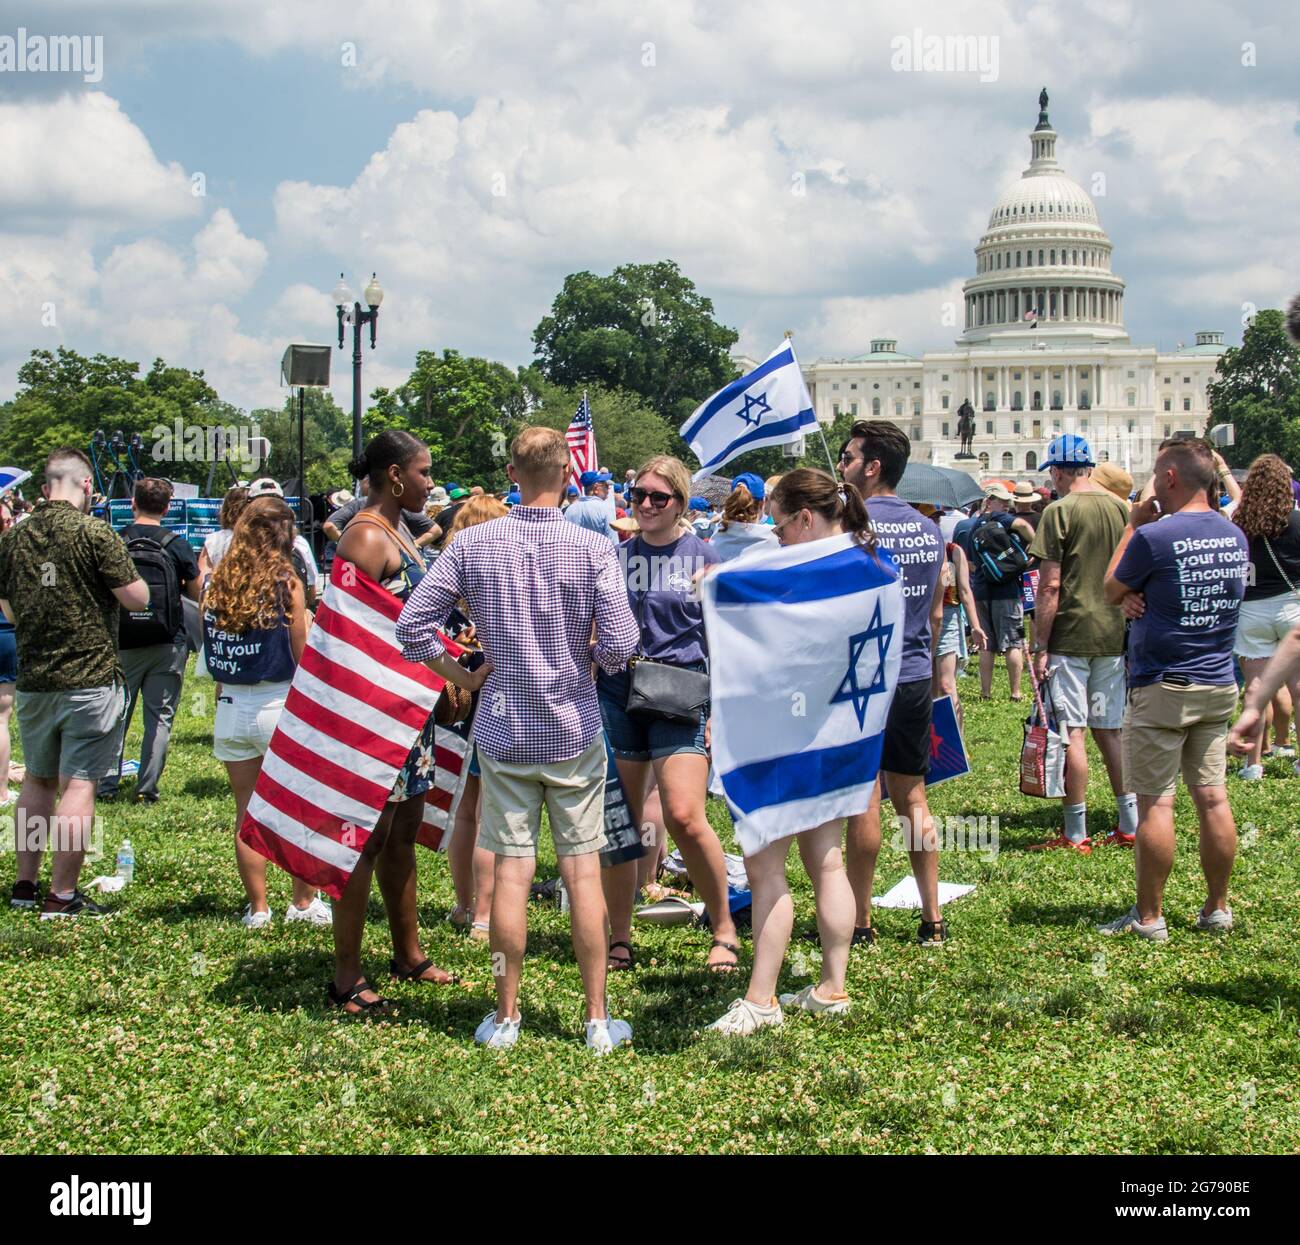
(806, 643)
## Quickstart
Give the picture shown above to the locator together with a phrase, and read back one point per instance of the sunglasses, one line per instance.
(658, 500)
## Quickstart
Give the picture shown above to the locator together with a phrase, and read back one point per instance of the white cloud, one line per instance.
(80, 158)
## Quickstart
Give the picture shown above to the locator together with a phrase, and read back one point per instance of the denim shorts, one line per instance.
(635, 738)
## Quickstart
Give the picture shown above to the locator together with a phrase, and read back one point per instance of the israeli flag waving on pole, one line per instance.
(805, 644)
(768, 406)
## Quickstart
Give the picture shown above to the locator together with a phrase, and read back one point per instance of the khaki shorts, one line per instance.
(1168, 728)
(1087, 691)
(76, 734)
(572, 790)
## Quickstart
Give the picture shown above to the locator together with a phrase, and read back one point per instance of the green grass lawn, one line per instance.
(169, 1028)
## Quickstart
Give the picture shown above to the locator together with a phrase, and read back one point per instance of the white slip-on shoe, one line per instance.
(1218, 921)
(255, 920)
(809, 1000)
(500, 1035)
(317, 913)
(743, 1018)
(604, 1035)
(1251, 773)
(1154, 931)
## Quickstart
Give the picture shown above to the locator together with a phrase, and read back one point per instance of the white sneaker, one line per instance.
(1251, 773)
(317, 912)
(743, 1018)
(604, 1035)
(1153, 931)
(1220, 920)
(1281, 750)
(500, 1036)
(809, 1000)
(255, 920)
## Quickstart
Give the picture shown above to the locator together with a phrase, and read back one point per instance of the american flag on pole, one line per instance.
(354, 710)
(581, 439)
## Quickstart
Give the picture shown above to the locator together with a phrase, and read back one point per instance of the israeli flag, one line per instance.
(805, 644)
(12, 477)
(768, 406)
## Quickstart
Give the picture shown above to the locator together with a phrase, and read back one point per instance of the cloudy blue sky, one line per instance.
(473, 153)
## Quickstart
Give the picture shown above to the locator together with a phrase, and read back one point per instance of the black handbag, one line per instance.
(659, 690)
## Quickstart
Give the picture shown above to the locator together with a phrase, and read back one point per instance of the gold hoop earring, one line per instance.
(398, 488)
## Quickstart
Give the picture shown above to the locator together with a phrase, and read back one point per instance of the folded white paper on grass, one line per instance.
(107, 884)
(905, 894)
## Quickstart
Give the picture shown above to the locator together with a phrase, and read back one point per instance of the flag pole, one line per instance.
(789, 336)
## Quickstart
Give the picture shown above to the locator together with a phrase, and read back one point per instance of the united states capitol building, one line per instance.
(1070, 367)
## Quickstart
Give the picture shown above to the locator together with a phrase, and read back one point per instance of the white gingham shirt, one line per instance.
(534, 585)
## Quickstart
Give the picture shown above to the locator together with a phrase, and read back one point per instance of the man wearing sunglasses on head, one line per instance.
(592, 510)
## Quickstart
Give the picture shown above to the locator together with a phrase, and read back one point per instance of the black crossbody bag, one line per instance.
(659, 690)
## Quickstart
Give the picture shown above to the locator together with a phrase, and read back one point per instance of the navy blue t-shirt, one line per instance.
(1192, 569)
(980, 587)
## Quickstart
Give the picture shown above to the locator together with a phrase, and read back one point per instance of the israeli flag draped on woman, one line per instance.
(805, 643)
(768, 406)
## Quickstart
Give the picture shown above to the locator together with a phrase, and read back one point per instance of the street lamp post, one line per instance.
(350, 312)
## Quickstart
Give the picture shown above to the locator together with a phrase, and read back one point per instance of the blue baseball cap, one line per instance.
(1069, 450)
(751, 482)
(572, 490)
(588, 478)
(699, 503)
(512, 499)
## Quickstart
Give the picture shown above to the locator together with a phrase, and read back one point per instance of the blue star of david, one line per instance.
(848, 688)
(758, 404)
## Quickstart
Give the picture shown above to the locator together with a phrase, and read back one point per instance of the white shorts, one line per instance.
(1263, 625)
(950, 632)
(246, 718)
(1087, 691)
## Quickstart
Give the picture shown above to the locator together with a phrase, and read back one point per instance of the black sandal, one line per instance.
(620, 965)
(725, 968)
(417, 974)
(341, 999)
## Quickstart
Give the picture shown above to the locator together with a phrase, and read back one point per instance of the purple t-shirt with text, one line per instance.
(916, 545)
(1191, 568)
(661, 592)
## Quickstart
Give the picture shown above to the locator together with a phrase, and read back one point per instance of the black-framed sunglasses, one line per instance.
(658, 500)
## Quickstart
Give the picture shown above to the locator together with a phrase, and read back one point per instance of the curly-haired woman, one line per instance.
(1267, 515)
(255, 629)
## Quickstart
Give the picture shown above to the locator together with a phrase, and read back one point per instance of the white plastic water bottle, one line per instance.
(126, 861)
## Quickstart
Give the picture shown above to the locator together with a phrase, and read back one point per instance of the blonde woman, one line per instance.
(742, 525)
(660, 564)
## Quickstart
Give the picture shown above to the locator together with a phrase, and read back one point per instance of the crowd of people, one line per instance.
(576, 612)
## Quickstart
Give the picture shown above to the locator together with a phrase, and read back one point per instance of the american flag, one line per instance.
(354, 710)
(581, 439)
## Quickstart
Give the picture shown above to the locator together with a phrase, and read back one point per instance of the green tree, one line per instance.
(65, 397)
(327, 440)
(464, 408)
(644, 328)
(1257, 390)
(627, 430)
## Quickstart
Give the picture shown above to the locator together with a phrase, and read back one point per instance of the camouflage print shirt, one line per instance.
(58, 569)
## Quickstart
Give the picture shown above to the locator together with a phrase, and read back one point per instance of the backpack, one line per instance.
(161, 619)
(998, 553)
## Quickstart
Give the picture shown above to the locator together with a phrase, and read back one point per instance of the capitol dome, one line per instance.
(1044, 198)
(1043, 264)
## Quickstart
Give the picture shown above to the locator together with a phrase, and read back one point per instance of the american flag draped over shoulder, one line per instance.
(581, 439)
(354, 710)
